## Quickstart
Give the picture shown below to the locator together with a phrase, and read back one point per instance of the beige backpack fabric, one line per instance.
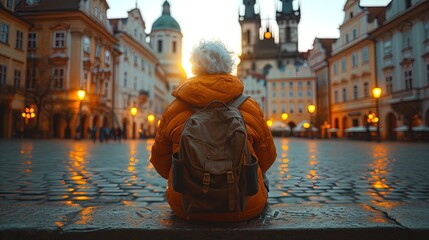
(214, 169)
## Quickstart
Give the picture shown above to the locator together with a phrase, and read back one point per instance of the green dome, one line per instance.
(166, 21)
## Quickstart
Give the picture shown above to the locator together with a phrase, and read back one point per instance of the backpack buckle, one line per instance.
(230, 176)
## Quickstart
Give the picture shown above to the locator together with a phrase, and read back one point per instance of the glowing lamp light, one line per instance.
(133, 111)
(81, 94)
(311, 108)
(151, 118)
(306, 125)
(375, 119)
(376, 92)
(269, 123)
(285, 116)
(28, 113)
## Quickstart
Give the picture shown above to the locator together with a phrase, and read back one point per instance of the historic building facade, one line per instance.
(352, 69)
(141, 82)
(71, 48)
(13, 56)
(276, 63)
(318, 62)
(402, 57)
(52, 50)
(166, 41)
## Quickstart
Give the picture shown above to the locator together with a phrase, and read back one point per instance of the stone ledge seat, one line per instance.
(279, 221)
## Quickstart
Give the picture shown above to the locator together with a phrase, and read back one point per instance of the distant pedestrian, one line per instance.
(119, 133)
(94, 133)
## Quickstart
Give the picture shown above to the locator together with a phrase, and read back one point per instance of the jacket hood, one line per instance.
(200, 90)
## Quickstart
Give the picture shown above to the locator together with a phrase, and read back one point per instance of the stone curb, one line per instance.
(279, 221)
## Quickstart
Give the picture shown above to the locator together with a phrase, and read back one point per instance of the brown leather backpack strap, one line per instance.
(236, 103)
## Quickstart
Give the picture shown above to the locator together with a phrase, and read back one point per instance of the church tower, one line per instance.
(166, 41)
(250, 24)
(288, 19)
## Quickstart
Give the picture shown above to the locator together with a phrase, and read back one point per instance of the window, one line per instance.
(19, 39)
(408, 3)
(427, 72)
(273, 84)
(125, 79)
(125, 53)
(387, 46)
(142, 63)
(299, 94)
(427, 30)
(343, 65)
(365, 89)
(32, 40)
(159, 46)
(344, 94)
(107, 57)
(97, 51)
(292, 108)
(274, 110)
(347, 38)
(283, 84)
(309, 94)
(300, 107)
(283, 108)
(3, 73)
(17, 79)
(336, 96)
(389, 85)
(335, 68)
(290, 94)
(135, 58)
(86, 44)
(354, 59)
(365, 58)
(354, 33)
(408, 79)
(273, 94)
(9, 4)
(290, 84)
(30, 81)
(299, 84)
(59, 39)
(283, 94)
(135, 83)
(308, 83)
(4, 33)
(106, 88)
(174, 46)
(101, 16)
(96, 11)
(406, 39)
(355, 92)
(58, 78)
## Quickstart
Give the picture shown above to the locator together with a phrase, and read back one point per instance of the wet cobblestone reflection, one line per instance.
(305, 171)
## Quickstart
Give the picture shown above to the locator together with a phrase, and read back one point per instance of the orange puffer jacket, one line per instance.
(197, 92)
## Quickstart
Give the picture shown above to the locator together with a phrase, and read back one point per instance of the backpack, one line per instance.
(214, 169)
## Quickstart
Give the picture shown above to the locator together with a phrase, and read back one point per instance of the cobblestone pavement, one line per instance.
(306, 171)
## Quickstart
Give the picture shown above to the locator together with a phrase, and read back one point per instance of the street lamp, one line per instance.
(150, 119)
(311, 108)
(133, 112)
(376, 92)
(284, 118)
(81, 96)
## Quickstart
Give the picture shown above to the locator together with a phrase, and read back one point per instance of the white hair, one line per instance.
(211, 57)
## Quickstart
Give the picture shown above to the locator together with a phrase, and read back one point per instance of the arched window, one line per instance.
(159, 46)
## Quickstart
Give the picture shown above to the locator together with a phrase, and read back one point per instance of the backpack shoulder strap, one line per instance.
(236, 103)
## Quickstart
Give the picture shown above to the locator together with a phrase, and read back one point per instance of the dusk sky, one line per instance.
(218, 19)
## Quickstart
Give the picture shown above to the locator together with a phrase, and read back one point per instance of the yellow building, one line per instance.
(13, 54)
(290, 91)
(71, 47)
(352, 71)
